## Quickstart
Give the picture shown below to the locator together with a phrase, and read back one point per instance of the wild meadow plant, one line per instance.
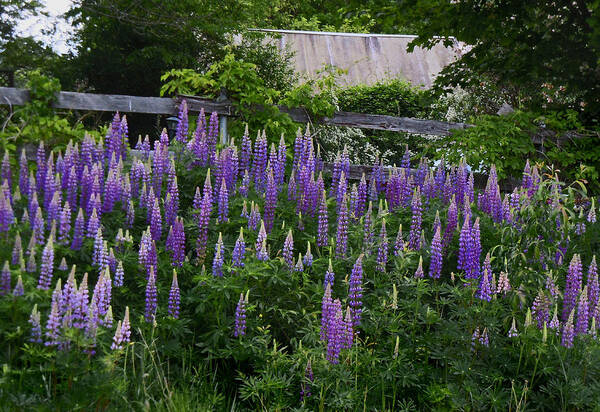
(490, 300)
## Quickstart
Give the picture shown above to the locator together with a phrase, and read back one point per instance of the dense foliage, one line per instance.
(37, 121)
(545, 53)
(129, 284)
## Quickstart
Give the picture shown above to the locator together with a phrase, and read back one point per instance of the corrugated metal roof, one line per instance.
(368, 58)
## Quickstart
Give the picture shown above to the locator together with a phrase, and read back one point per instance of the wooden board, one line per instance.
(168, 106)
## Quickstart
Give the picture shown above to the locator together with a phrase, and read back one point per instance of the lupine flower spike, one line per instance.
(419, 272)
(239, 250)
(512, 333)
(240, 316)
(174, 297)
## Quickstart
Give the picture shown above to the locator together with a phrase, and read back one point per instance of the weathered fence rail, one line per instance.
(169, 106)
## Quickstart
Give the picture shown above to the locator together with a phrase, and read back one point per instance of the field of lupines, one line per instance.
(191, 276)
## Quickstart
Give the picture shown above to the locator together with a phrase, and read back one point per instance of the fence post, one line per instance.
(223, 119)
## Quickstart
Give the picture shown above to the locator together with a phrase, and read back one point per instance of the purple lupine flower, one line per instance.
(81, 303)
(474, 252)
(93, 224)
(262, 254)
(414, 237)
(512, 333)
(38, 227)
(54, 208)
(197, 205)
(5, 280)
(178, 243)
(554, 323)
(348, 338)
(223, 202)
(335, 332)
(419, 274)
(40, 175)
(270, 201)
(288, 250)
(50, 183)
(292, 187)
(298, 149)
(299, 266)
(308, 257)
(485, 290)
(103, 293)
(240, 317)
(550, 286)
(342, 230)
(182, 124)
(341, 190)
(246, 151)
(54, 319)
(174, 297)
(591, 216)
(361, 202)
(147, 252)
(261, 237)
(108, 318)
(305, 388)
(156, 222)
(217, 266)
(399, 243)
(382, 252)
(568, 332)
(123, 332)
(31, 264)
(47, 269)
(254, 219)
(33, 206)
(151, 297)
(245, 185)
(118, 281)
(435, 267)
(572, 286)
(583, 313)
(23, 174)
(355, 291)
(172, 209)
(323, 225)
(463, 246)
(35, 335)
(63, 265)
(64, 225)
(213, 132)
(329, 276)
(19, 290)
(78, 231)
(117, 338)
(281, 160)
(17, 250)
(259, 165)
(239, 251)
(98, 255)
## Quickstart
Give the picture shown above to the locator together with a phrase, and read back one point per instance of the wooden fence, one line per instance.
(169, 106)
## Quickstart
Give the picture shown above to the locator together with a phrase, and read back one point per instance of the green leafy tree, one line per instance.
(11, 11)
(125, 46)
(545, 52)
